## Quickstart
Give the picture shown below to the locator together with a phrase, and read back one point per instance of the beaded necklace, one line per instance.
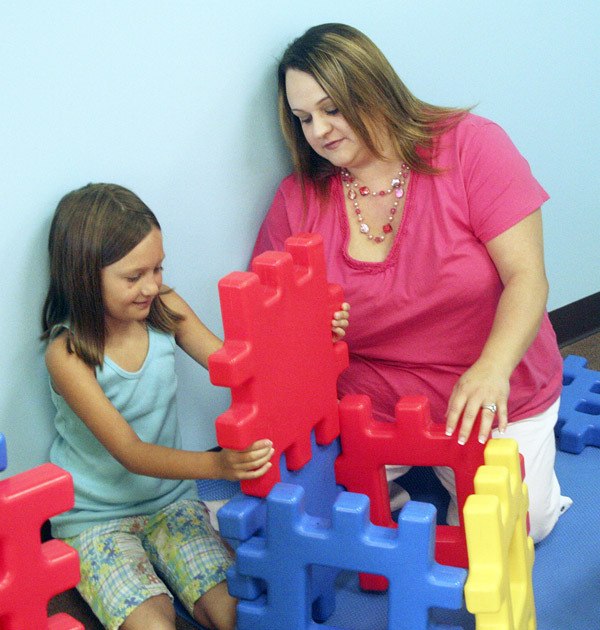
(355, 190)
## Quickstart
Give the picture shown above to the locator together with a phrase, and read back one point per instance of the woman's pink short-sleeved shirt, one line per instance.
(421, 317)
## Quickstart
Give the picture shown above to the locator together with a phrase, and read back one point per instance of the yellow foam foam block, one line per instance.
(499, 589)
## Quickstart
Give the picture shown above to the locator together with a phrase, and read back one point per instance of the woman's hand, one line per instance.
(248, 464)
(340, 321)
(481, 386)
(518, 256)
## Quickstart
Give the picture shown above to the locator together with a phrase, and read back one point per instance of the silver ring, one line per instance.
(491, 406)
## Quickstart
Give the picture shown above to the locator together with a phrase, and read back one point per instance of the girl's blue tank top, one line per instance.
(104, 489)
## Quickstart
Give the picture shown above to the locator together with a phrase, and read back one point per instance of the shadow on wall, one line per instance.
(26, 410)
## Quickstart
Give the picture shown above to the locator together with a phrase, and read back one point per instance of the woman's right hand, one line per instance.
(251, 463)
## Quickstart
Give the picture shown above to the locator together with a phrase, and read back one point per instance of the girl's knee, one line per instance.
(216, 609)
(156, 612)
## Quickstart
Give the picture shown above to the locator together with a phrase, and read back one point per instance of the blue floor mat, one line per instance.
(566, 573)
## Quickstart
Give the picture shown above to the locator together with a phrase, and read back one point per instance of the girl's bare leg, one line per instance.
(156, 613)
(216, 608)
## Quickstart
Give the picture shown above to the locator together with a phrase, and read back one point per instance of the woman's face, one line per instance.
(325, 129)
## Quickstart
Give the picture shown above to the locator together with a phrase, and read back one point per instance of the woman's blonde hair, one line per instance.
(92, 228)
(369, 95)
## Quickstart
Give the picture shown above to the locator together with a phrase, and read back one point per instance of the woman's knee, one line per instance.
(541, 526)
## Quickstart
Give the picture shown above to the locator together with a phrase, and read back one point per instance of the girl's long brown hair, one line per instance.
(93, 227)
(368, 93)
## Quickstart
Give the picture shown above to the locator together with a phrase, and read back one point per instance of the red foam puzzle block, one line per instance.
(368, 445)
(32, 572)
(62, 621)
(278, 357)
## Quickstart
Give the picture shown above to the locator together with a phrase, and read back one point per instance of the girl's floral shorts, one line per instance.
(121, 560)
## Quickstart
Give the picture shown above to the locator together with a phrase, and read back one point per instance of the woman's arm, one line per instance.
(518, 254)
(76, 383)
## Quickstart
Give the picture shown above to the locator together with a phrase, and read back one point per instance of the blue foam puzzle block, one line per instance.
(239, 520)
(578, 423)
(244, 517)
(317, 478)
(3, 458)
(298, 542)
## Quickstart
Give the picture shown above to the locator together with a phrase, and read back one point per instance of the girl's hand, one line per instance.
(249, 464)
(480, 386)
(340, 322)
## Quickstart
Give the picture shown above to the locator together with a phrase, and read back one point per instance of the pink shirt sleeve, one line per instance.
(275, 228)
(501, 189)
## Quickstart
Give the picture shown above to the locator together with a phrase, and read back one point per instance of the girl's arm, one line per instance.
(192, 336)
(199, 342)
(519, 258)
(76, 383)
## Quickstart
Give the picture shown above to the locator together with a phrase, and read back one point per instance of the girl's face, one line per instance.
(325, 129)
(130, 285)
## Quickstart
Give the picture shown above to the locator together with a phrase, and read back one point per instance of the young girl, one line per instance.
(111, 327)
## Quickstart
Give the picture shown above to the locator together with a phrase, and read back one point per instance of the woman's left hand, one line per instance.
(480, 387)
(517, 254)
(340, 321)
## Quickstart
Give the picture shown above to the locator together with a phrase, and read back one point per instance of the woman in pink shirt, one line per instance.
(432, 225)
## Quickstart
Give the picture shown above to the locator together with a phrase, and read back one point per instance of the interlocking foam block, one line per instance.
(578, 423)
(317, 478)
(499, 589)
(32, 571)
(62, 621)
(244, 517)
(278, 357)
(368, 445)
(3, 459)
(297, 542)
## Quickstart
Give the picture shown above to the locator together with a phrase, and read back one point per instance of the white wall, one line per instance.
(176, 100)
